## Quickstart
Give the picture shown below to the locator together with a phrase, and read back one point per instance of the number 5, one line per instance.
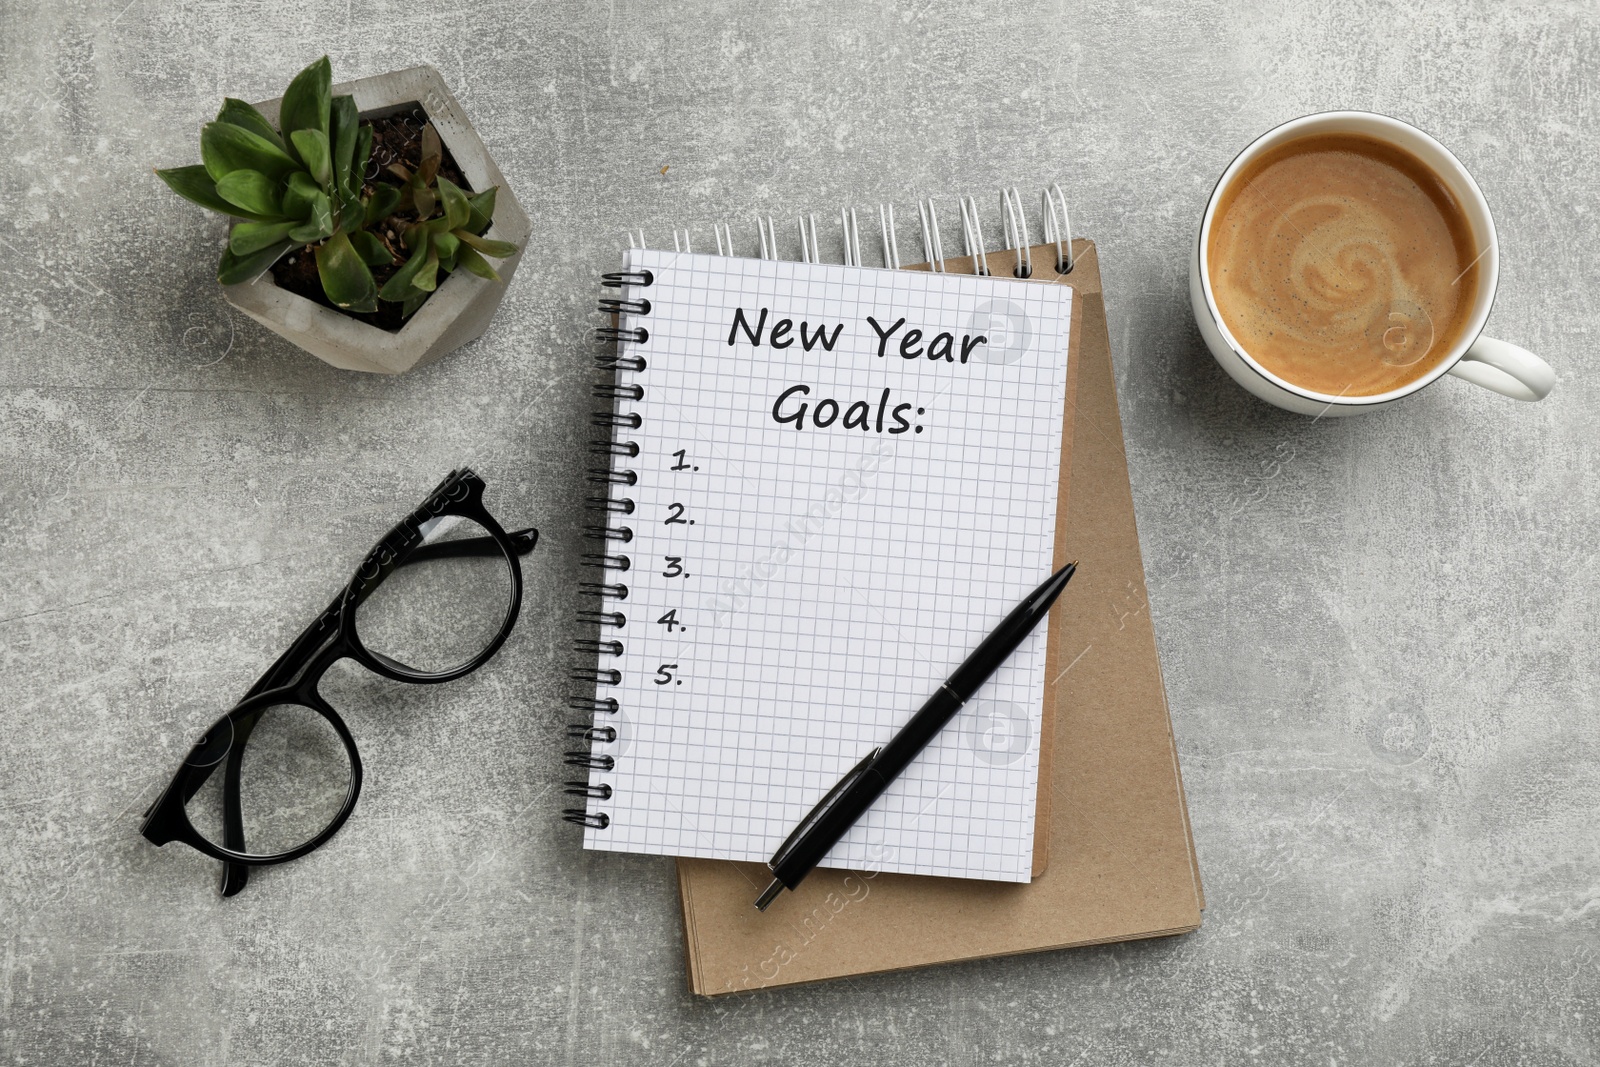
(664, 674)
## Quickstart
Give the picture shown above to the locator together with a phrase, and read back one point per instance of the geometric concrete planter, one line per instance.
(460, 309)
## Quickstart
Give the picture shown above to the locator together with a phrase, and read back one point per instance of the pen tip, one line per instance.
(769, 894)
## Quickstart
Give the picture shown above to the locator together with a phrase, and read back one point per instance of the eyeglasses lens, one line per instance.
(445, 605)
(293, 778)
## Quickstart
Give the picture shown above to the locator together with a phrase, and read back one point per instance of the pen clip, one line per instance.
(821, 808)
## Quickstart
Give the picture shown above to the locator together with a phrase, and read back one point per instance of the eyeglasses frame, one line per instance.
(294, 677)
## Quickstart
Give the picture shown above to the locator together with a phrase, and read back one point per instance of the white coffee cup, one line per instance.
(1496, 365)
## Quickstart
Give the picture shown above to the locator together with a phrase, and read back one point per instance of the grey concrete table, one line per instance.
(1379, 634)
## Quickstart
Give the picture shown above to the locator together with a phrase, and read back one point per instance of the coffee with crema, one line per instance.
(1342, 264)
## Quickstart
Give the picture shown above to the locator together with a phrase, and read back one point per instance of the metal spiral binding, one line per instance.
(607, 476)
(609, 505)
(612, 306)
(1014, 223)
(619, 356)
(932, 249)
(972, 235)
(1058, 230)
(613, 361)
(623, 534)
(603, 618)
(1014, 226)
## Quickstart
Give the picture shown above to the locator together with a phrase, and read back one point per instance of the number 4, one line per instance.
(670, 621)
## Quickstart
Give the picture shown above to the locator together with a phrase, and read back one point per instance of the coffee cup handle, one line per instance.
(1505, 369)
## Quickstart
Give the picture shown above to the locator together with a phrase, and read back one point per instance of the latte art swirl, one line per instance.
(1334, 265)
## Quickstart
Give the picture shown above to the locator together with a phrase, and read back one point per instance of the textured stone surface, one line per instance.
(1379, 633)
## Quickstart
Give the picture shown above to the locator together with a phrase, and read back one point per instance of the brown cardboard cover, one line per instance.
(1122, 859)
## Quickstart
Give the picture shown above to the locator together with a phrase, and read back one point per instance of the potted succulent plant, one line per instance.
(371, 227)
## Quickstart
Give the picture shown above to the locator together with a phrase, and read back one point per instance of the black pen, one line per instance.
(846, 802)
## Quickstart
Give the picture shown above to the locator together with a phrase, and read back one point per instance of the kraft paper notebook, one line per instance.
(825, 483)
(1111, 805)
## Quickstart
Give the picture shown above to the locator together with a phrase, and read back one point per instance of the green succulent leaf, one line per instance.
(456, 208)
(358, 169)
(308, 233)
(246, 117)
(382, 203)
(432, 154)
(423, 197)
(497, 249)
(372, 251)
(300, 195)
(307, 102)
(235, 269)
(345, 278)
(248, 238)
(313, 148)
(322, 212)
(346, 120)
(318, 222)
(225, 148)
(411, 304)
(194, 184)
(469, 259)
(253, 191)
(447, 244)
(427, 278)
(482, 205)
(398, 287)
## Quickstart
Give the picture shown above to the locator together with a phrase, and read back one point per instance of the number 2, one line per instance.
(676, 517)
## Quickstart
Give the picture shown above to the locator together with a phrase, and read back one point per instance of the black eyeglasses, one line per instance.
(291, 772)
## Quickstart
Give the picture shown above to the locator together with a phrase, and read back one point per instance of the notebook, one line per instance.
(1123, 864)
(826, 484)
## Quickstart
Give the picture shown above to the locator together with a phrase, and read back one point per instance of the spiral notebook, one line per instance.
(1112, 808)
(825, 484)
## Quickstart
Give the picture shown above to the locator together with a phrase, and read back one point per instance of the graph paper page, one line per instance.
(830, 513)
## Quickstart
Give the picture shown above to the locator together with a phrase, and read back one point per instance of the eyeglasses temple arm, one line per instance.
(521, 540)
